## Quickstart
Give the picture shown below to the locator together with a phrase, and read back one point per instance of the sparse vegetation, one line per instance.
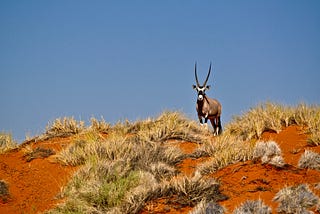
(296, 199)
(124, 166)
(137, 148)
(253, 207)
(6, 142)
(309, 160)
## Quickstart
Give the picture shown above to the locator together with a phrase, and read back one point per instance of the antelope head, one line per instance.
(201, 89)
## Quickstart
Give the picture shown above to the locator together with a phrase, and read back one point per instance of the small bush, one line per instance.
(6, 142)
(296, 199)
(269, 152)
(309, 160)
(253, 207)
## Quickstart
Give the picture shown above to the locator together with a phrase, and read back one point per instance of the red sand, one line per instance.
(33, 186)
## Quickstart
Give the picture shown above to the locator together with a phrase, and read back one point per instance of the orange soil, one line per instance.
(33, 186)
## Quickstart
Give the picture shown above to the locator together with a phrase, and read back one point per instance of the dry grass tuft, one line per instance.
(296, 199)
(309, 160)
(63, 127)
(6, 142)
(256, 206)
(269, 153)
(190, 191)
(162, 171)
(224, 150)
(100, 125)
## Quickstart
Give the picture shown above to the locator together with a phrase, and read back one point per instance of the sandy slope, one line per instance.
(35, 185)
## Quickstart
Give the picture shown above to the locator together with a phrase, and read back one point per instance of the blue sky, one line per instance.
(134, 59)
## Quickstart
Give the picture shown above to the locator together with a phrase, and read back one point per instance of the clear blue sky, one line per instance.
(135, 59)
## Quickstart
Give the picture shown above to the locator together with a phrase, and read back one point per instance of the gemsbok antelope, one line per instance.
(207, 108)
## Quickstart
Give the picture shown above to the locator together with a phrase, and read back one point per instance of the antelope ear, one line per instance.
(208, 87)
(194, 86)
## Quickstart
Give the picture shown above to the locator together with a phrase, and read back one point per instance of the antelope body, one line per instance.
(206, 107)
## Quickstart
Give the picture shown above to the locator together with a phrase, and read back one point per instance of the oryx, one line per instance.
(207, 108)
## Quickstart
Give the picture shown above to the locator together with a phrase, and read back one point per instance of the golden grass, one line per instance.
(63, 127)
(272, 116)
(224, 150)
(6, 142)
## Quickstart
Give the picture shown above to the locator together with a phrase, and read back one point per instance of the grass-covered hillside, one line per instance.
(122, 168)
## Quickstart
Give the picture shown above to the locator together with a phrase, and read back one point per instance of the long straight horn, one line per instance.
(205, 82)
(195, 74)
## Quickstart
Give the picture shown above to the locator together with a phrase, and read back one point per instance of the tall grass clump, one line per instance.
(309, 160)
(6, 142)
(296, 199)
(63, 127)
(224, 150)
(272, 116)
(100, 125)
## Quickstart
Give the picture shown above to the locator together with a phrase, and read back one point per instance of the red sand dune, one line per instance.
(35, 185)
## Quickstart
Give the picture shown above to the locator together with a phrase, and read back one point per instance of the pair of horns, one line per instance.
(195, 73)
